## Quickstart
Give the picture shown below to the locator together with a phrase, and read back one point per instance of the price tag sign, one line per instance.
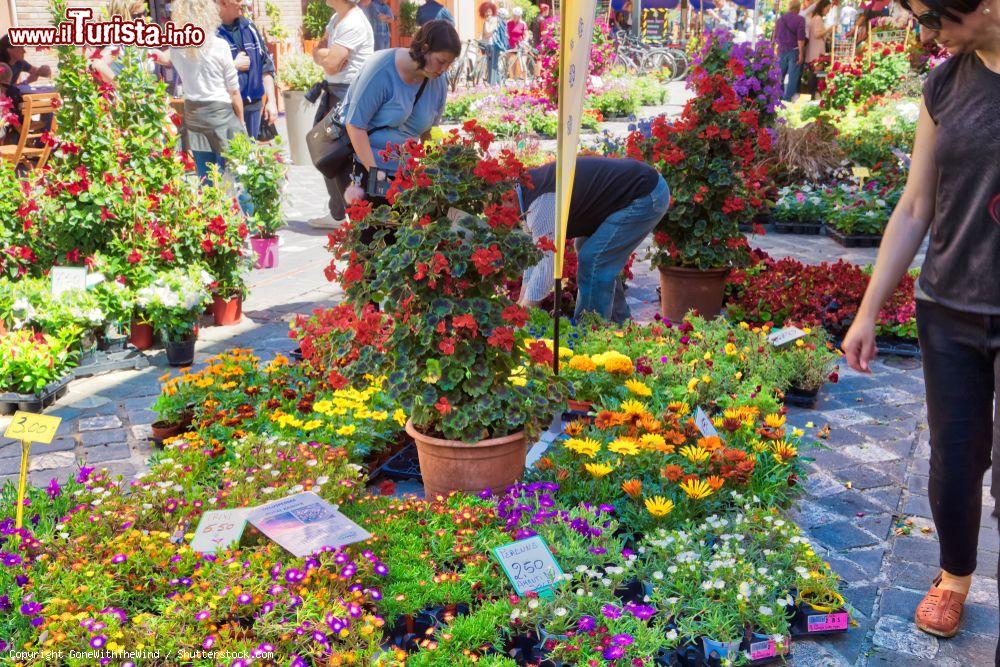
(529, 565)
(704, 424)
(861, 173)
(218, 529)
(65, 278)
(827, 622)
(305, 523)
(779, 337)
(29, 427)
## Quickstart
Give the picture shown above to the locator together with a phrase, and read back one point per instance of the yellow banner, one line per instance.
(576, 33)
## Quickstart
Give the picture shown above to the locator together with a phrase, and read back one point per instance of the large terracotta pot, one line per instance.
(684, 289)
(141, 335)
(450, 465)
(227, 312)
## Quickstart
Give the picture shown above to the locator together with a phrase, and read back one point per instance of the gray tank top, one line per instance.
(963, 254)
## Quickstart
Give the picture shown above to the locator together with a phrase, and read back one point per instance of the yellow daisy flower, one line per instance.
(624, 446)
(347, 429)
(585, 447)
(679, 408)
(638, 388)
(774, 421)
(783, 452)
(694, 454)
(633, 407)
(659, 506)
(696, 489)
(653, 441)
(598, 470)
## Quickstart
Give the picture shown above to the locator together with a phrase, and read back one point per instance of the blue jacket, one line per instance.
(246, 38)
(431, 11)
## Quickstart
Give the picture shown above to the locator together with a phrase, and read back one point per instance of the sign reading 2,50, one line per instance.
(528, 567)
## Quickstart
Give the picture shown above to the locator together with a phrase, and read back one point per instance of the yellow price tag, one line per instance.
(861, 172)
(29, 427)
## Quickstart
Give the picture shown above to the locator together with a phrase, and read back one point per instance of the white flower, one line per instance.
(658, 575)
(533, 603)
(765, 611)
(671, 635)
(560, 611)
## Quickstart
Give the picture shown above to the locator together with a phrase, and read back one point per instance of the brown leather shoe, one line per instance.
(940, 612)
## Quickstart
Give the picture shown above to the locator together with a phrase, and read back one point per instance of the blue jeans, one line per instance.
(603, 255)
(493, 65)
(792, 69)
(204, 158)
(252, 117)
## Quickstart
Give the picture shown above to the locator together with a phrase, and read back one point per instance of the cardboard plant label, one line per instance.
(704, 424)
(529, 565)
(827, 622)
(66, 278)
(27, 426)
(305, 523)
(218, 529)
(779, 337)
(763, 649)
(861, 173)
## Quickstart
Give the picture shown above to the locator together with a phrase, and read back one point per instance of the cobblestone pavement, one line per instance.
(868, 476)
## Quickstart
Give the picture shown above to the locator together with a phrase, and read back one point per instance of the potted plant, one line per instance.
(173, 406)
(276, 34)
(222, 242)
(260, 172)
(475, 392)
(806, 365)
(711, 157)
(33, 370)
(173, 303)
(298, 74)
(407, 22)
(314, 22)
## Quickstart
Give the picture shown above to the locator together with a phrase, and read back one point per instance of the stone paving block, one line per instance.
(842, 535)
(921, 466)
(862, 598)
(142, 432)
(847, 569)
(114, 468)
(918, 484)
(868, 561)
(848, 504)
(966, 650)
(851, 644)
(92, 438)
(100, 423)
(890, 395)
(819, 484)
(889, 498)
(903, 448)
(916, 550)
(103, 453)
(142, 417)
(986, 563)
(828, 459)
(807, 513)
(896, 602)
(879, 525)
(989, 539)
(980, 619)
(917, 505)
(984, 592)
(814, 653)
(51, 461)
(43, 477)
(868, 453)
(901, 636)
(903, 414)
(915, 576)
(870, 477)
(848, 417)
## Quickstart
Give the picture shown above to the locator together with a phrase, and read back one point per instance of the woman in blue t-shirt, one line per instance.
(382, 107)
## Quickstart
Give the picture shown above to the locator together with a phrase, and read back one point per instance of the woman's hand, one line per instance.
(859, 345)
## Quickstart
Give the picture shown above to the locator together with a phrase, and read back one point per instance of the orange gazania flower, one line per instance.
(544, 463)
(671, 472)
(573, 428)
(606, 419)
(715, 482)
(632, 487)
(711, 443)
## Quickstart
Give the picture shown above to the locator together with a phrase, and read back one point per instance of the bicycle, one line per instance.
(463, 70)
(524, 57)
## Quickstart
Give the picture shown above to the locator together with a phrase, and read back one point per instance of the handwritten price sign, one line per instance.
(704, 424)
(529, 565)
(219, 528)
(29, 427)
(779, 337)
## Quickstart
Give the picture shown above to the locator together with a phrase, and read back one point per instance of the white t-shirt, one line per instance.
(207, 75)
(354, 33)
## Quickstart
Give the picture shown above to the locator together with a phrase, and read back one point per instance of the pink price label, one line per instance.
(763, 649)
(827, 622)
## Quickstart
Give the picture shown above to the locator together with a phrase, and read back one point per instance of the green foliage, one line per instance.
(615, 102)
(299, 72)
(174, 301)
(314, 20)
(408, 18)
(29, 362)
(261, 173)
(276, 30)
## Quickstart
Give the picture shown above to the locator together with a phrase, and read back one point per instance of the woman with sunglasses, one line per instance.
(953, 190)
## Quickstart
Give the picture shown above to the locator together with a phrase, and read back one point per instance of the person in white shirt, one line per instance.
(344, 49)
(213, 108)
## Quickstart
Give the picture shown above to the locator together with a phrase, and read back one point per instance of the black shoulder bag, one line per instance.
(329, 145)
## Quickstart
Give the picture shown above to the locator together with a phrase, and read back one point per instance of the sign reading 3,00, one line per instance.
(27, 426)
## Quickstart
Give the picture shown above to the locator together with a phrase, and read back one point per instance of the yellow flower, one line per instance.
(731, 350)
(783, 452)
(616, 362)
(659, 506)
(565, 352)
(638, 388)
(582, 363)
(797, 432)
(311, 424)
(694, 454)
(653, 441)
(632, 487)
(399, 416)
(679, 408)
(739, 375)
(800, 343)
(774, 421)
(624, 446)
(744, 326)
(380, 415)
(632, 407)
(708, 355)
(692, 385)
(706, 379)
(588, 447)
(696, 489)
(598, 470)
(347, 429)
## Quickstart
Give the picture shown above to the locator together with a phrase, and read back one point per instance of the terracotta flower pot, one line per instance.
(164, 429)
(141, 335)
(683, 289)
(450, 465)
(266, 250)
(579, 406)
(227, 312)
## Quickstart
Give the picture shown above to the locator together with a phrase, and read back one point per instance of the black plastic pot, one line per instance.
(11, 402)
(180, 352)
(854, 240)
(801, 398)
(900, 347)
(632, 590)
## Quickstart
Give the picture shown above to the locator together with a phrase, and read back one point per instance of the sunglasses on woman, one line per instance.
(929, 19)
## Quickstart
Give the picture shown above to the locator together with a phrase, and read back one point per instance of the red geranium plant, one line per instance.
(332, 340)
(711, 158)
(460, 365)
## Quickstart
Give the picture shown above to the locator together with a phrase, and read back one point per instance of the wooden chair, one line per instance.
(30, 150)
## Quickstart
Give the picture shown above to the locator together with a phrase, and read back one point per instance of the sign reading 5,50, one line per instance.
(32, 428)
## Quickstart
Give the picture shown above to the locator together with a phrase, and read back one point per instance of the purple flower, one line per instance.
(119, 558)
(244, 598)
(202, 615)
(208, 643)
(641, 611)
(610, 611)
(10, 560)
(98, 641)
(84, 474)
(31, 608)
(53, 489)
(597, 551)
(622, 639)
(613, 652)
(586, 624)
(20, 580)
(5, 605)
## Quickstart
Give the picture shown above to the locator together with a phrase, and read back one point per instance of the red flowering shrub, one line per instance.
(712, 159)
(827, 295)
(332, 340)
(461, 368)
(864, 77)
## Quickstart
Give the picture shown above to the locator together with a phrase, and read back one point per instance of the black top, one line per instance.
(601, 186)
(962, 96)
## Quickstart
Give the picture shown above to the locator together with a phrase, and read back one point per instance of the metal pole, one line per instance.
(555, 337)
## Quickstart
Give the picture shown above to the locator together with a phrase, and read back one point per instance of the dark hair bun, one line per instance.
(434, 37)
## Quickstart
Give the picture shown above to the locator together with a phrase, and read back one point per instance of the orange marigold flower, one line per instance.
(711, 443)
(671, 472)
(632, 487)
